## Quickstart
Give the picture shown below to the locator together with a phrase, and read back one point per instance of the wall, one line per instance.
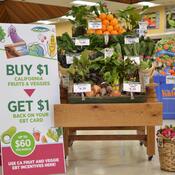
(63, 27)
(67, 27)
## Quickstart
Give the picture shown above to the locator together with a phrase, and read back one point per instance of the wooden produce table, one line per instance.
(142, 117)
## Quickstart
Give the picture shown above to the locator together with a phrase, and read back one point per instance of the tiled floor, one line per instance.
(112, 158)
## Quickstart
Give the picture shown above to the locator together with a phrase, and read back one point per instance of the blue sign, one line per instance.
(166, 95)
(165, 52)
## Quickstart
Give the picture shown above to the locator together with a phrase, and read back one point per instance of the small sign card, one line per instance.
(65, 81)
(82, 87)
(132, 87)
(131, 40)
(108, 52)
(95, 24)
(143, 28)
(146, 79)
(143, 25)
(170, 79)
(82, 41)
(70, 58)
(160, 142)
(136, 59)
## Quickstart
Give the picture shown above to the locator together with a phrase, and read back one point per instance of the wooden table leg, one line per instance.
(141, 131)
(66, 140)
(150, 141)
(72, 131)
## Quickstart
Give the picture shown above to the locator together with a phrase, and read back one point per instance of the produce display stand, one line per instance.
(106, 68)
(142, 117)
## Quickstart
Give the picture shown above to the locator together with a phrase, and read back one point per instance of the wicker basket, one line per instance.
(146, 76)
(167, 155)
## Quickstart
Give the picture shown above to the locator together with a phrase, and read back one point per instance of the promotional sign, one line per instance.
(152, 19)
(29, 89)
(165, 91)
(170, 18)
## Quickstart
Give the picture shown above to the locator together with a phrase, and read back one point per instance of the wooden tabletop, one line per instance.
(107, 115)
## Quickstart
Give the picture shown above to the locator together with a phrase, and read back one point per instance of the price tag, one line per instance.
(108, 52)
(106, 37)
(132, 87)
(160, 142)
(170, 79)
(141, 32)
(65, 81)
(82, 42)
(80, 88)
(95, 24)
(131, 40)
(69, 59)
(146, 79)
(143, 26)
(133, 58)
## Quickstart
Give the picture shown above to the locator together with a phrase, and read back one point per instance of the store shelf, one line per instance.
(161, 35)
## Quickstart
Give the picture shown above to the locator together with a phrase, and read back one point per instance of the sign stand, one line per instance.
(30, 82)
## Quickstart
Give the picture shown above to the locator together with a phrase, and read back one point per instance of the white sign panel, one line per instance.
(132, 87)
(80, 88)
(131, 40)
(108, 52)
(170, 79)
(143, 26)
(136, 59)
(95, 24)
(82, 41)
(70, 58)
(29, 89)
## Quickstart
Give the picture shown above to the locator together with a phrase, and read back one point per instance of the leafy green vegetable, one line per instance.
(65, 43)
(131, 49)
(131, 70)
(59, 131)
(145, 64)
(145, 48)
(79, 70)
(96, 42)
(131, 17)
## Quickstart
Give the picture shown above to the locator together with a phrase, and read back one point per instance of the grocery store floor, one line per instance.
(112, 158)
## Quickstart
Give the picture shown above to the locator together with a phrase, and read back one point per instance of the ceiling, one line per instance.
(27, 11)
(112, 4)
(22, 12)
